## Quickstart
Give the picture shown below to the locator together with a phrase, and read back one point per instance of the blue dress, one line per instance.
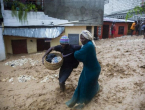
(88, 82)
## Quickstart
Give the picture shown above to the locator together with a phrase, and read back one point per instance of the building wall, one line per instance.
(116, 27)
(77, 10)
(115, 6)
(70, 30)
(32, 42)
(55, 41)
(31, 46)
(33, 19)
(74, 30)
(2, 46)
(93, 31)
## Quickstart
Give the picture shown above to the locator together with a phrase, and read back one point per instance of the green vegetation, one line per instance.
(137, 10)
(20, 9)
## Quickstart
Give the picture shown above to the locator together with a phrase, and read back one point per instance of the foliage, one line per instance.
(136, 10)
(20, 9)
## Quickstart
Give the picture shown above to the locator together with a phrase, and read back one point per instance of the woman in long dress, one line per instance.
(88, 82)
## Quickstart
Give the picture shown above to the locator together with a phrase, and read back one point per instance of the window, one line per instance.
(106, 1)
(73, 39)
(121, 30)
(89, 28)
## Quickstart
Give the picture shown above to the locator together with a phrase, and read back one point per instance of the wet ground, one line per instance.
(25, 84)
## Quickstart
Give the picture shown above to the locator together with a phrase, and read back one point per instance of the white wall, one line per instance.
(115, 6)
(33, 18)
(2, 47)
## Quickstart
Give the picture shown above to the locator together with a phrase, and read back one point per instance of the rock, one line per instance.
(4, 80)
(143, 66)
(11, 80)
(12, 64)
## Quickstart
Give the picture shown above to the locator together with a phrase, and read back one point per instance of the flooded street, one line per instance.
(25, 84)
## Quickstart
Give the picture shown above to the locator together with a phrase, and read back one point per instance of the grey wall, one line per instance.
(2, 47)
(88, 12)
(117, 6)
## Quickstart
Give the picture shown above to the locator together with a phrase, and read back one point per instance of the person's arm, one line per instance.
(47, 52)
(135, 25)
(77, 47)
(80, 55)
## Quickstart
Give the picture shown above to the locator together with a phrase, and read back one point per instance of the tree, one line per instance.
(137, 10)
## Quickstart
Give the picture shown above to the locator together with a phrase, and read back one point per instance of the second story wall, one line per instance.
(33, 19)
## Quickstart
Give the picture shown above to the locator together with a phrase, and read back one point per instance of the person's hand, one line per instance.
(43, 61)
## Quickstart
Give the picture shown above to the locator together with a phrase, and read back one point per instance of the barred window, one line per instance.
(121, 30)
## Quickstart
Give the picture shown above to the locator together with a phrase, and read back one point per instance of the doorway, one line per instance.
(19, 46)
(95, 32)
(105, 31)
(42, 45)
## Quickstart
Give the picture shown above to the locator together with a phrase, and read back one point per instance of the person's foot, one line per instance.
(70, 104)
(79, 107)
(62, 87)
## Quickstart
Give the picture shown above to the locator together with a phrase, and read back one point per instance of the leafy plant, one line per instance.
(20, 9)
(136, 10)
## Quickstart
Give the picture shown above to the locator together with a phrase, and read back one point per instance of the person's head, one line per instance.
(113, 23)
(135, 22)
(83, 39)
(85, 36)
(64, 41)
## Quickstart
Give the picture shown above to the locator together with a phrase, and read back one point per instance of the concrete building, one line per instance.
(2, 45)
(87, 12)
(119, 8)
(39, 32)
(122, 28)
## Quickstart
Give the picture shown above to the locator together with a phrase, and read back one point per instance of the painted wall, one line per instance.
(2, 46)
(55, 41)
(31, 46)
(116, 27)
(70, 30)
(74, 30)
(93, 31)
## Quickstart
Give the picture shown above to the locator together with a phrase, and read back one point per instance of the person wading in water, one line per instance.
(69, 62)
